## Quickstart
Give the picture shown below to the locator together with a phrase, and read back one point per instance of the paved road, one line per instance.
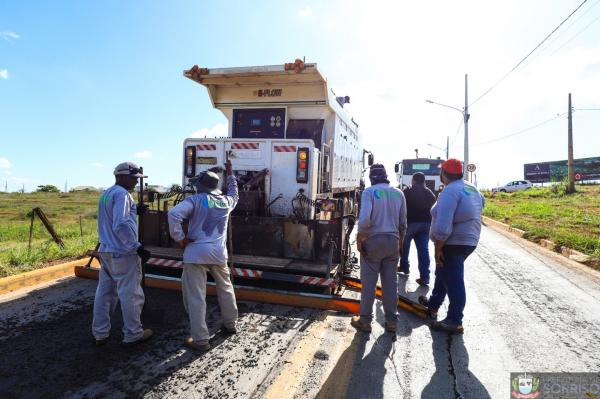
(526, 311)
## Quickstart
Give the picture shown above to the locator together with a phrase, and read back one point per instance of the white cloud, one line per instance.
(305, 12)
(143, 154)
(5, 164)
(97, 165)
(218, 130)
(4, 73)
(9, 35)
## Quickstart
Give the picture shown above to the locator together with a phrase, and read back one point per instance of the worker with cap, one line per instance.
(205, 250)
(381, 228)
(455, 230)
(419, 200)
(120, 253)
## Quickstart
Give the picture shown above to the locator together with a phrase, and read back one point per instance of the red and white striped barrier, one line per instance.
(284, 148)
(244, 146)
(248, 273)
(206, 147)
(317, 281)
(165, 262)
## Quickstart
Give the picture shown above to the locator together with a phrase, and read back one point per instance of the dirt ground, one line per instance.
(47, 350)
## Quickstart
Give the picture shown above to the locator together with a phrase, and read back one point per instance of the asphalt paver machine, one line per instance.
(299, 161)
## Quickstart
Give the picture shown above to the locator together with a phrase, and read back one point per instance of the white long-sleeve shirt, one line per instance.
(208, 215)
(117, 221)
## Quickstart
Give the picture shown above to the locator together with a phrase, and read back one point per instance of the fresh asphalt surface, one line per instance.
(526, 311)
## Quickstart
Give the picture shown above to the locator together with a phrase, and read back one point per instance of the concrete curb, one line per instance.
(35, 277)
(551, 245)
(502, 226)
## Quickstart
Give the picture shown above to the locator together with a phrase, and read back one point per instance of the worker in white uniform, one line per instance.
(206, 251)
(120, 253)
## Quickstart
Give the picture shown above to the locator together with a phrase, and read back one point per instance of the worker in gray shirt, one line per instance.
(205, 251)
(455, 230)
(381, 229)
(120, 253)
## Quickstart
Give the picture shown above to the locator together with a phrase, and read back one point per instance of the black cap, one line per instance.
(377, 171)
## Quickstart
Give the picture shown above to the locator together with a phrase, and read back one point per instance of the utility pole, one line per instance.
(65, 186)
(447, 147)
(466, 119)
(571, 170)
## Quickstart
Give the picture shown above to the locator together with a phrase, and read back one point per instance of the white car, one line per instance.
(517, 185)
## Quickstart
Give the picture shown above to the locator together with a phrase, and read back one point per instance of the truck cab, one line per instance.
(429, 167)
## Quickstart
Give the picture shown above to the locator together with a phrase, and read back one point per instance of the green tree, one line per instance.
(47, 188)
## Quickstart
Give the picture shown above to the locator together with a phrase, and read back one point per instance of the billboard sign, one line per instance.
(537, 172)
(585, 169)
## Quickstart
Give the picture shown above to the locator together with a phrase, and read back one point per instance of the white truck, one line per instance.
(299, 161)
(406, 168)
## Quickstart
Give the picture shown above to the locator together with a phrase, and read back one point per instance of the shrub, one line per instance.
(47, 188)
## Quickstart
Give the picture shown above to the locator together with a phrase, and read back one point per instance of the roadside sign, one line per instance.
(471, 167)
(586, 168)
(537, 172)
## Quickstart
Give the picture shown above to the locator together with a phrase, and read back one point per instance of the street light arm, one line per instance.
(447, 106)
(435, 146)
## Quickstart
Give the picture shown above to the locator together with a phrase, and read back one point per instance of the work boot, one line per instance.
(102, 341)
(360, 324)
(445, 326)
(200, 346)
(431, 313)
(421, 281)
(230, 329)
(391, 326)
(145, 337)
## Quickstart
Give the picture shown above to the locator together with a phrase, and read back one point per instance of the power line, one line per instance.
(457, 131)
(571, 25)
(527, 56)
(577, 34)
(521, 131)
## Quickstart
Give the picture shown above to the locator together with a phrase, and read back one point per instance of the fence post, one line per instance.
(80, 229)
(31, 231)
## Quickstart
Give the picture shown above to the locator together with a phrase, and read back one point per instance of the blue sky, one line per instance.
(86, 85)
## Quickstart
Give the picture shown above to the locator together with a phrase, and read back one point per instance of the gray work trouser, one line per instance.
(380, 257)
(119, 280)
(193, 282)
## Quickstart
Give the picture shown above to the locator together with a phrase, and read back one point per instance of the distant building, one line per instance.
(153, 187)
(84, 188)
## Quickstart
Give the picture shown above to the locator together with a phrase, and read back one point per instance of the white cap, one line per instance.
(128, 168)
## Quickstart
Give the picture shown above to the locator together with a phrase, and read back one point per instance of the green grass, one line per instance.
(63, 211)
(548, 213)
